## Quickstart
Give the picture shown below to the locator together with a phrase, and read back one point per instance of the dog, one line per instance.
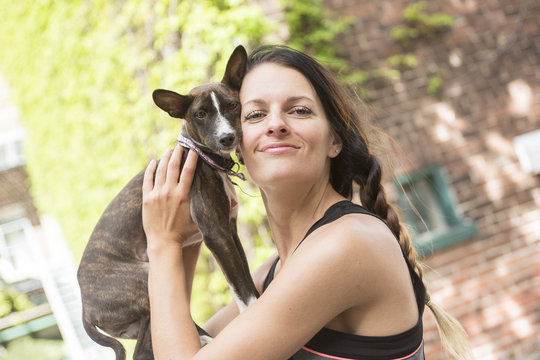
(113, 273)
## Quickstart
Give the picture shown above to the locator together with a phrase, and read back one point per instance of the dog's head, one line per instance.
(211, 111)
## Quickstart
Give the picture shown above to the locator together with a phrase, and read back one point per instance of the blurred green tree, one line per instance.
(82, 73)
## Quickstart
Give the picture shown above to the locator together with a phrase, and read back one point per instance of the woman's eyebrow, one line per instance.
(291, 99)
(254, 101)
(297, 98)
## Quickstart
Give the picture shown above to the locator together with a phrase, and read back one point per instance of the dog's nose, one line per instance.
(227, 139)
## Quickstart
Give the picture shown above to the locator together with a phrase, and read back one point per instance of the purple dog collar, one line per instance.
(225, 166)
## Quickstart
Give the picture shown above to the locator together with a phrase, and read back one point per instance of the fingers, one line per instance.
(161, 172)
(148, 180)
(173, 169)
(167, 171)
(188, 171)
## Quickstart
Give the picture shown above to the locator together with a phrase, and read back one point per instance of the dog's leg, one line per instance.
(143, 349)
(246, 295)
(218, 227)
(237, 275)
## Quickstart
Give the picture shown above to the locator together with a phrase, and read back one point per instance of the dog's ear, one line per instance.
(236, 68)
(175, 104)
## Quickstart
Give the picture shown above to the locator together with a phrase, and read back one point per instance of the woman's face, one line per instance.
(286, 136)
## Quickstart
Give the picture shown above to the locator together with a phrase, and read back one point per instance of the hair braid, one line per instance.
(372, 195)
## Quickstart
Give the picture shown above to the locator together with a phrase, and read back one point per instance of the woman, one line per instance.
(340, 285)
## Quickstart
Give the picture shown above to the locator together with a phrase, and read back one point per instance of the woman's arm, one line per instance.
(174, 335)
(167, 224)
(317, 283)
(190, 257)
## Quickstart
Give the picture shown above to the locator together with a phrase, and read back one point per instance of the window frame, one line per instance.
(9, 270)
(459, 228)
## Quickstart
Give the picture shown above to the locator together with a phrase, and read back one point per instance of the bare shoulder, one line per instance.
(353, 234)
(352, 245)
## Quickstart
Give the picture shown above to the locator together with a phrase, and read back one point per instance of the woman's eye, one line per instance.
(301, 110)
(254, 115)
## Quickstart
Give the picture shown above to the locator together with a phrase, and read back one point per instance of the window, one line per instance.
(15, 256)
(430, 211)
(3, 155)
(11, 150)
(527, 147)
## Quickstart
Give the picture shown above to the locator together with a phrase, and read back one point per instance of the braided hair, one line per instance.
(357, 165)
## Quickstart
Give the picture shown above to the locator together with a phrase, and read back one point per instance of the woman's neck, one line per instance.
(292, 211)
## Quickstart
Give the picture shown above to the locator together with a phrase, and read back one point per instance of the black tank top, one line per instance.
(331, 344)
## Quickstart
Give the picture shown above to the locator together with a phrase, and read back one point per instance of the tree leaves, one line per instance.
(82, 73)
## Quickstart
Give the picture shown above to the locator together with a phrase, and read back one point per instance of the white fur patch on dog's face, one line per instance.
(222, 124)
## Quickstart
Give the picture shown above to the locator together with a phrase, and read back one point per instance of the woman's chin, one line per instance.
(282, 177)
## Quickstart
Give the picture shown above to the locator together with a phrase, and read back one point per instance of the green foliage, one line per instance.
(402, 61)
(419, 24)
(435, 84)
(29, 348)
(82, 73)
(11, 301)
(313, 29)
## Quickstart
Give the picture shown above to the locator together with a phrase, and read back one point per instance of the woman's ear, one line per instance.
(336, 146)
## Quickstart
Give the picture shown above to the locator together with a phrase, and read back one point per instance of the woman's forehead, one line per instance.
(272, 80)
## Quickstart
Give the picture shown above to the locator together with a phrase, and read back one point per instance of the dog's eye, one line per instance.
(201, 114)
(233, 106)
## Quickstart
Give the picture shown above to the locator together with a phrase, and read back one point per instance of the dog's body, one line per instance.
(113, 274)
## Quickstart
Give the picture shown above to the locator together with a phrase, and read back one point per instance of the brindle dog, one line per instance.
(113, 273)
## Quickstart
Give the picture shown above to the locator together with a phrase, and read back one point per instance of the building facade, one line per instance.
(471, 155)
(34, 257)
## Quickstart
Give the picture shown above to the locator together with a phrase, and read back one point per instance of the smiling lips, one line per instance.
(278, 148)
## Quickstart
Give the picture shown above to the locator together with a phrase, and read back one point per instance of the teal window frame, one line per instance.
(457, 228)
(27, 328)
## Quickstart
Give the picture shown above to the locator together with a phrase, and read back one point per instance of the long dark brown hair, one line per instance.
(356, 164)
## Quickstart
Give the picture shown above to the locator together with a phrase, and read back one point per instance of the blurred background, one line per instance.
(453, 86)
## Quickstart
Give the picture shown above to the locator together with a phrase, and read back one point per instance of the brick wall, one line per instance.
(15, 199)
(490, 94)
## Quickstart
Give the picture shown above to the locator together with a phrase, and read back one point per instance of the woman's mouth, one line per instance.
(276, 149)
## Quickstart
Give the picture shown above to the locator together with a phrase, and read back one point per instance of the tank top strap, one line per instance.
(336, 211)
(333, 213)
(270, 276)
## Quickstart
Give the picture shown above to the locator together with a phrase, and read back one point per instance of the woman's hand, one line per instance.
(166, 203)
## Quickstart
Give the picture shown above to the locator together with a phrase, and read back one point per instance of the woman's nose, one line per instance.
(277, 126)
